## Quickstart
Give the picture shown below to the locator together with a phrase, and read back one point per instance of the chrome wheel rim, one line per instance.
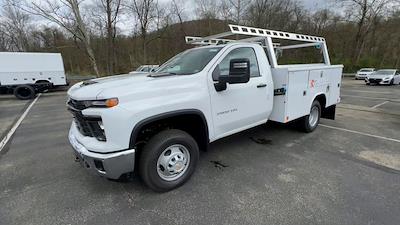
(313, 118)
(173, 162)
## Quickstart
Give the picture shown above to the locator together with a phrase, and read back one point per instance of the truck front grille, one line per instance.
(87, 126)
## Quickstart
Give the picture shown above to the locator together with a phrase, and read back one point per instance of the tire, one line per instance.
(24, 92)
(368, 84)
(391, 82)
(310, 122)
(169, 148)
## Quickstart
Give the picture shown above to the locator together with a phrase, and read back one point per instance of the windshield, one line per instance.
(366, 70)
(139, 69)
(189, 62)
(384, 72)
(146, 69)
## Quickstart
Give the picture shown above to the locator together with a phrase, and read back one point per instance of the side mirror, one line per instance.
(239, 73)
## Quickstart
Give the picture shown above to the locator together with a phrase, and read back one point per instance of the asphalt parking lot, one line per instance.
(347, 172)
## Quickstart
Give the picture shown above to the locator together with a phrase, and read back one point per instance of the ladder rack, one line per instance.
(263, 37)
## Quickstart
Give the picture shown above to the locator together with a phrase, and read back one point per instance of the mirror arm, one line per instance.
(220, 86)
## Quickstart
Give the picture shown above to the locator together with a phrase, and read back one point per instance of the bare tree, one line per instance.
(14, 27)
(144, 11)
(278, 14)
(67, 14)
(364, 13)
(109, 13)
(321, 20)
(237, 9)
(207, 9)
(178, 10)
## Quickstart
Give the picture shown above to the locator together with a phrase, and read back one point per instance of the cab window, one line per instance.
(238, 53)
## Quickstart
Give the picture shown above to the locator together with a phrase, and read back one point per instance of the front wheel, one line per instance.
(168, 160)
(309, 123)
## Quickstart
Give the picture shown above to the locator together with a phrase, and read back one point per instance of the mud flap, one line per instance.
(329, 113)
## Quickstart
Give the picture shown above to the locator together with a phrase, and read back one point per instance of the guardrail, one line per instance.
(349, 74)
(80, 77)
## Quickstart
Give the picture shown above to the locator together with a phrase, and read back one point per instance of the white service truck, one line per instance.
(25, 74)
(157, 123)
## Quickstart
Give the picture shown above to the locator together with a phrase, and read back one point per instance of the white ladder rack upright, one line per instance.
(263, 35)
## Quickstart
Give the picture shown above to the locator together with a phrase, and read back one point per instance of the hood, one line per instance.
(123, 85)
(372, 76)
(90, 89)
(367, 72)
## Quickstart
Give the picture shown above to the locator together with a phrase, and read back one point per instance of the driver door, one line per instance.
(240, 106)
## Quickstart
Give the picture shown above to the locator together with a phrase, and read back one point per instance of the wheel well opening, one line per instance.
(322, 100)
(193, 124)
(42, 82)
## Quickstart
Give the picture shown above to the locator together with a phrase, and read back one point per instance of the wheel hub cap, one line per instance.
(313, 118)
(173, 162)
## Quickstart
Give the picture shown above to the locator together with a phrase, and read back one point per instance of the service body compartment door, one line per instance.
(297, 95)
(335, 82)
(317, 78)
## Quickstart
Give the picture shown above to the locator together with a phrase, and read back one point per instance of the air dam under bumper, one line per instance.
(111, 165)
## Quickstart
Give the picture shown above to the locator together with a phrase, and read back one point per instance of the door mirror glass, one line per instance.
(239, 72)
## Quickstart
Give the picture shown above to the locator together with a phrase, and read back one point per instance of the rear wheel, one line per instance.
(309, 123)
(24, 92)
(168, 160)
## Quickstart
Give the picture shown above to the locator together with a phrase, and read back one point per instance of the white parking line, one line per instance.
(16, 125)
(361, 133)
(379, 105)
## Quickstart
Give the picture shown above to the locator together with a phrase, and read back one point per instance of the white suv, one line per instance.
(363, 73)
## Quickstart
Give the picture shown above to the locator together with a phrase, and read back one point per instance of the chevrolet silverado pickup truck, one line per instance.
(155, 124)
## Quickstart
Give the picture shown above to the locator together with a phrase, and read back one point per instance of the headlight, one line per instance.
(106, 103)
(387, 78)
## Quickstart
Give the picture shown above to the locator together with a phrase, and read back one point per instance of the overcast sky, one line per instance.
(315, 4)
(309, 4)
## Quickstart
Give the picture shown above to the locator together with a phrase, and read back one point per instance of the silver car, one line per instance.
(388, 77)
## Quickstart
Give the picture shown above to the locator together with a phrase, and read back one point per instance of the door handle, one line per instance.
(261, 85)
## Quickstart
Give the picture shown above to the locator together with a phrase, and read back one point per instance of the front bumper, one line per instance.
(377, 81)
(110, 165)
(361, 76)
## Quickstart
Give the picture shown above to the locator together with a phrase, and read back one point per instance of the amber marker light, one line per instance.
(111, 102)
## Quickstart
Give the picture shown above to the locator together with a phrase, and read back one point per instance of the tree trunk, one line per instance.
(84, 35)
(144, 45)
(110, 39)
(359, 35)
